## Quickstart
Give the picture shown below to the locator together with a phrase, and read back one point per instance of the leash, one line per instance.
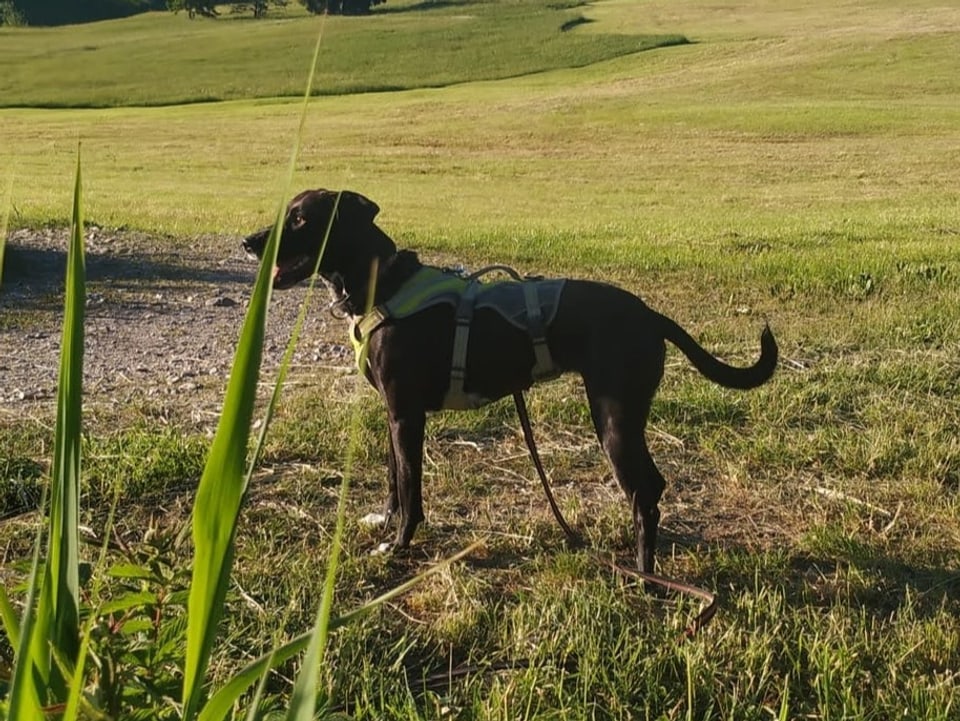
(707, 611)
(573, 538)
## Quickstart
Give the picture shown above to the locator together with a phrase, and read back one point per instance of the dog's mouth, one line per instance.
(290, 271)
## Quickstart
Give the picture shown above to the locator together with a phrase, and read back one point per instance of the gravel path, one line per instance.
(162, 320)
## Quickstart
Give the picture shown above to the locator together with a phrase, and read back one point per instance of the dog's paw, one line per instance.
(382, 549)
(373, 520)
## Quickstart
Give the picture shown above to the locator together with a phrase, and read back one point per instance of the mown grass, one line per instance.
(796, 164)
(162, 59)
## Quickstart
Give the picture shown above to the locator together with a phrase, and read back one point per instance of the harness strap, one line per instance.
(427, 281)
(369, 323)
(543, 363)
(461, 336)
(426, 286)
(490, 268)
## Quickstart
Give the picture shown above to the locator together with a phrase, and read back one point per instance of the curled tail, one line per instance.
(718, 371)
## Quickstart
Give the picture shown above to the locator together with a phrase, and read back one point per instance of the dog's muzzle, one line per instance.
(255, 243)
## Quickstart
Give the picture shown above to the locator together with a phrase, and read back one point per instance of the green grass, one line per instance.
(164, 59)
(795, 162)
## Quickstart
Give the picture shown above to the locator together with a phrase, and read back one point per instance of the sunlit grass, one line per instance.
(104, 64)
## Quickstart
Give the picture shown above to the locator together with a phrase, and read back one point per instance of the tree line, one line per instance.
(209, 8)
(68, 12)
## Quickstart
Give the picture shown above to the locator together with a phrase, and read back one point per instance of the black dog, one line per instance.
(607, 335)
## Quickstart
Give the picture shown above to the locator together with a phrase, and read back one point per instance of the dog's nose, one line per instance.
(253, 244)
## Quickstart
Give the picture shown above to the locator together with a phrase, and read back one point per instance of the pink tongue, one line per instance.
(276, 271)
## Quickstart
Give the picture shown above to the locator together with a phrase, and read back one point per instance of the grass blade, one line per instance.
(75, 698)
(58, 614)
(224, 481)
(24, 701)
(303, 701)
(291, 347)
(221, 490)
(784, 714)
(5, 222)
(51, 621)
(9, 618)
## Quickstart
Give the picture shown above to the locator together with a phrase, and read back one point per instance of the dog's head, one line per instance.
(354, 239)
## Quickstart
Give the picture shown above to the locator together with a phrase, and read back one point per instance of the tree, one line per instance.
(208, 8)
(64, 12)
(10, 15)
(340, 7)
(259, 7)
(205, 8)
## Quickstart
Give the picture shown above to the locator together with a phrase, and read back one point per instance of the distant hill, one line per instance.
(160, 58)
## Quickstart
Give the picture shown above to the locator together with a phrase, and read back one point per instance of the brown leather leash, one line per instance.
(574, 540)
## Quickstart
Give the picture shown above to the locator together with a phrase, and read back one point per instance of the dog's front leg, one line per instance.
(406, 441)
(392, 506)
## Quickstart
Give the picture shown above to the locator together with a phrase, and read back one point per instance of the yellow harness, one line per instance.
(529, 304)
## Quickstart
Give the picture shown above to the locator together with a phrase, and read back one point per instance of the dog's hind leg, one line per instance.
(645, 507)
(620, 429)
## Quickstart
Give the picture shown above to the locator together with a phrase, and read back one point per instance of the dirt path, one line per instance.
(162, 320)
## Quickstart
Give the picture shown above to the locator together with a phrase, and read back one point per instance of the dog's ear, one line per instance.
(356, 208)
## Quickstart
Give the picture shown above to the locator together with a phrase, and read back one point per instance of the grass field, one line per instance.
(406, 46)
(796, 162)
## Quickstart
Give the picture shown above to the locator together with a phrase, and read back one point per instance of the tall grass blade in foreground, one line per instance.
(24, 699)
(63, 558)
(305, 689)
(5, 222)
(49, 633)
(221, 490)
(224, 481)
(291, 345)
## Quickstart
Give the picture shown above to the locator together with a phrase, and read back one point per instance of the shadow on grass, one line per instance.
(387, 9)
(33, 276)
(879, 585)
(885, 584)
(854, 574)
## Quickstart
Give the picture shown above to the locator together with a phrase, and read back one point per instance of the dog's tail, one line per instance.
(718, 371)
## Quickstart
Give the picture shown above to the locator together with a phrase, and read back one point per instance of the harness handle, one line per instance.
(490, 268)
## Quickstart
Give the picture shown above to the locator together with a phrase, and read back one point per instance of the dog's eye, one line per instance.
(297, 220)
